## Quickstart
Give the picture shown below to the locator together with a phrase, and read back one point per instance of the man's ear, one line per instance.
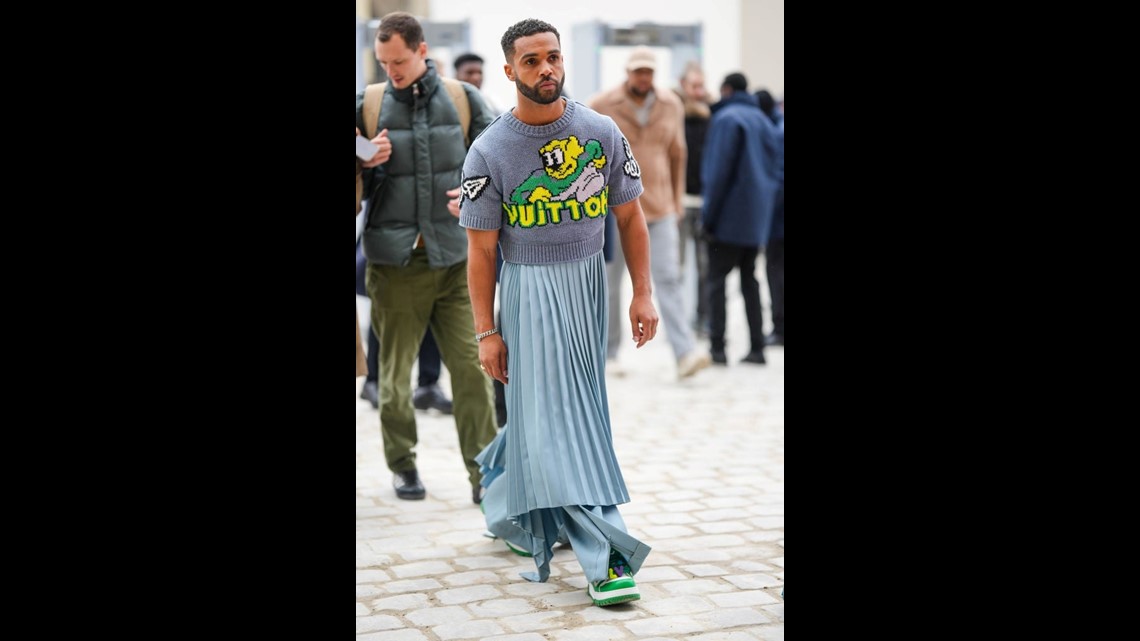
(422, 49)
(507, 69)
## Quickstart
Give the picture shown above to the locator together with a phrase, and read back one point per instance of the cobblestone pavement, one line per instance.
(704, 463)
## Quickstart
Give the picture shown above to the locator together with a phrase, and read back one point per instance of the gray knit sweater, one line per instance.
(548, 189)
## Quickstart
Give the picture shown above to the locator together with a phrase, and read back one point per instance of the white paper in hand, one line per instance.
(365, 150)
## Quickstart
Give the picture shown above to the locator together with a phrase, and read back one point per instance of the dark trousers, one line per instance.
(692, 229)
(722, 259)
(775, 271)
(500, 392)
(429, 359)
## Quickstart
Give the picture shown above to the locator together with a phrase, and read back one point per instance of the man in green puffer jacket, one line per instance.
(417, 252)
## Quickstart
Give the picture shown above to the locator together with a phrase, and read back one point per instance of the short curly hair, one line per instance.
(465, 58)
(522, 29)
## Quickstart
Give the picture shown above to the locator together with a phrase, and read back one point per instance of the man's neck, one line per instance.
(531, 113)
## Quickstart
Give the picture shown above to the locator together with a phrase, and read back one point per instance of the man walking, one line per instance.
(739, 182)
(653, 122)
(416, 250)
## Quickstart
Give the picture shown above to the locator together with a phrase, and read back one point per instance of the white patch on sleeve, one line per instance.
(631, 168)
(474, 187)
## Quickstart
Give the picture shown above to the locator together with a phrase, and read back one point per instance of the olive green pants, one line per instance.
(405, 302)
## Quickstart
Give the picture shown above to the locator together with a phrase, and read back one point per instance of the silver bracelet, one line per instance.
(479, 337)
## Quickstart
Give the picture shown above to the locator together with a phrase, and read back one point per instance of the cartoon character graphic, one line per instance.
(570, 171)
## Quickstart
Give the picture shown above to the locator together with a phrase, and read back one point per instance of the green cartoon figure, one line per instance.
(570, 171)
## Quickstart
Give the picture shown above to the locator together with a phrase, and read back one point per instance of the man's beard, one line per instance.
(533, 93)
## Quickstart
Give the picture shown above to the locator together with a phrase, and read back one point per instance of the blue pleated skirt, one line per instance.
(551, 472)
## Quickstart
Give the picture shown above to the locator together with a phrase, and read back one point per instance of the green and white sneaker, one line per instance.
(613, 591)
(510, 546)
(516, 549)
(619, 588)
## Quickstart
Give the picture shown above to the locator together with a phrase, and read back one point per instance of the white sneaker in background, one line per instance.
(693, 362)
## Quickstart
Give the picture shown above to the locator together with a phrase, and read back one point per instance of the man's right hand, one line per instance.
(453, 202)
(493, 358)
(384, 153)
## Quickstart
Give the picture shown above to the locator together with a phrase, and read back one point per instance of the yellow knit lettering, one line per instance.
(555, 209)
(593, 206)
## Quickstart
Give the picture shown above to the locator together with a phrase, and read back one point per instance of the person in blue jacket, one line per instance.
(739, 182)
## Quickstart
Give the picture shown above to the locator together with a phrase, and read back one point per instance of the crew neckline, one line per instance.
(541, 130)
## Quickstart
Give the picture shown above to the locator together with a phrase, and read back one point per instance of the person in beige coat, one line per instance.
(653, 122)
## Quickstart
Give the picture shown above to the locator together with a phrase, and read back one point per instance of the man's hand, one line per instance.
(493, 357)
(643, 319)
(385, 152)
(453, 203)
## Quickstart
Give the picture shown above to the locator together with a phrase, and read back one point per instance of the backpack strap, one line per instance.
(459, 97)
(373, 101)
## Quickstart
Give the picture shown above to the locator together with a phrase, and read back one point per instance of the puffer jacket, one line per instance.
(407, 195)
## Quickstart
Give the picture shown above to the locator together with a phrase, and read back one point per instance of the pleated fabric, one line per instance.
(551, 471)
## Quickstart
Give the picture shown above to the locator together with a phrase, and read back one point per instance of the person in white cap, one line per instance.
(653, 122)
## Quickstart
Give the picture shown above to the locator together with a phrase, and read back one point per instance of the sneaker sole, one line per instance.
(613, 597)
(517, 550)
(696, 365)
(510, 546)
